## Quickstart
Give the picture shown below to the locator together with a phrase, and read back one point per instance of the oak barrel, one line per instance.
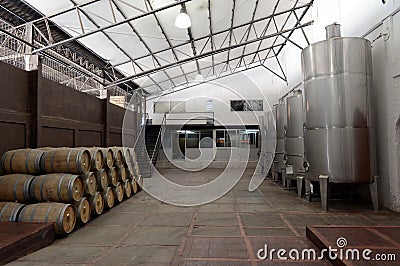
(127, 188)
(65, 160)
(57, 187)
(61, 215)
(135, 187)
(82, 210)
(122, 173)
(108, 157)
(97, 160)
(102, 179)
(89, 183)
(9, 211)
(118, 192)
(112, 175)
(118, 156)
(108, 196)
(15, 187)
(127, 158)
(96, 203)
(23, 161)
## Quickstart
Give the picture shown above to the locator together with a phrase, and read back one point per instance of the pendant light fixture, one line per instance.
(182, 21)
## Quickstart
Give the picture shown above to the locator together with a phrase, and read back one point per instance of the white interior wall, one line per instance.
(255, 84)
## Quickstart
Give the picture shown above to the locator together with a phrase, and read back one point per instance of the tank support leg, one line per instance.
(373, 189)
(284, 179)
(307, 191)
(299, 185)
(324, 190)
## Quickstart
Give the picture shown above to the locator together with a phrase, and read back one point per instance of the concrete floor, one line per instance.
(229, 231)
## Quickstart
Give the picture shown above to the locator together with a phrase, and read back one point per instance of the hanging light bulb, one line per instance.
(182, 21)
(199, 77)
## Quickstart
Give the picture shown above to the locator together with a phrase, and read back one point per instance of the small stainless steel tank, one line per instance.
(294, 141)
(337, 85)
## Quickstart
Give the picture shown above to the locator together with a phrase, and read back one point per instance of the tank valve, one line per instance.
(306, 166)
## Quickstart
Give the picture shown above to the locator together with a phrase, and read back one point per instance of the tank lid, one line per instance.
(333, 31)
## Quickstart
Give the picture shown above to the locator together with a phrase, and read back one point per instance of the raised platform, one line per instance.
(382, 241)
(20, 239)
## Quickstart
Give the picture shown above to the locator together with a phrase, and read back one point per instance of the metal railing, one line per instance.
(160, 136)
(207, 117)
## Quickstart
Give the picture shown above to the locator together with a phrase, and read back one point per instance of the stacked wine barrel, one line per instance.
(66, 186)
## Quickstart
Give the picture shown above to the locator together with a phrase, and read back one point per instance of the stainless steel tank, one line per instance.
(280, 136)
(337, 85)
(294, 137)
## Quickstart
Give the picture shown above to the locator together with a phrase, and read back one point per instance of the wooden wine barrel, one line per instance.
(133, 155)
(118, 192)
(82, 210)
(118, 156)
(102, 179)
(127, 188)
(15, 187)
(24, 161)
(139, 180)
(62, 215)
(9, 211)
(127, 158)
(122, 174)
(108, 157)
(136, 169)
(97, 160)
(135, 187)
(65, 160)
(108, 196)
(112, 175)
(57, 187)
(90, 183)
(96, 203)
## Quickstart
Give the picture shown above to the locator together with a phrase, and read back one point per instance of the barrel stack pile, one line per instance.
(65, 186)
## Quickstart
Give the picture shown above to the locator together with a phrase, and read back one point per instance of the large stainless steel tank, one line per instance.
(294, 137)
(337, 85)
(280, 136)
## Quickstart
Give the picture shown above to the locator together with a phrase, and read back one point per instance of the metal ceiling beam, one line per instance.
(110, 26)
(222, 63)
(220, 50)
(166, 36)
(298, 22)
(221, 32)
(211, 33)
(249, 29)
(106, 35)
(140, 38)
(207, 81)
(231, 32)
(191, 39)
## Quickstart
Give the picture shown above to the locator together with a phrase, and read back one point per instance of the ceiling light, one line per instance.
(182, 21)
(199, 77)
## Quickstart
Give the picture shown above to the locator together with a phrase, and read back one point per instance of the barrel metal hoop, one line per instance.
(27, 185)
(21, 213)
(27, 162)
(59, 218)
(68, 158)
(71, 188)
(78, 161)
(59, 186)
(3, 209)
(37, 162)
(43, 162)
(33, 213)
(15, 186)
(11, 159)
(48, 213)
